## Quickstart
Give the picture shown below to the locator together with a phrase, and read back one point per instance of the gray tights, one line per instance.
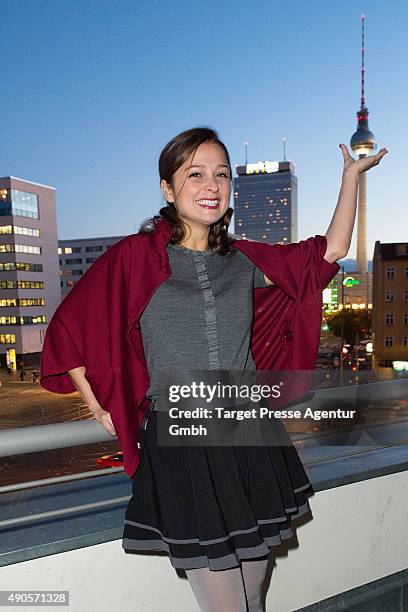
(237, 589)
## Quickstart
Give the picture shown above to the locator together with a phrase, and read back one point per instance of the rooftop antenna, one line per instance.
(284, 149)
(246, 153)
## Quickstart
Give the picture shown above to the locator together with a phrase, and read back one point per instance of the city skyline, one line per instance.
(96, 97)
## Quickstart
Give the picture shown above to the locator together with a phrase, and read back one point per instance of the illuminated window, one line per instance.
(27, 248)
(29, 320)
(7, 339)
(11, 302)
(16, 202)
(20, 248)
(26, 231)
(32, 302)
(18, 265)
(8, 302)
(8, 284)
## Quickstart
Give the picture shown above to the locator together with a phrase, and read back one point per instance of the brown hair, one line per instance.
(173, 155)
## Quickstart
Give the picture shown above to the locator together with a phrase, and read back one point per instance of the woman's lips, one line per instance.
(206, 203)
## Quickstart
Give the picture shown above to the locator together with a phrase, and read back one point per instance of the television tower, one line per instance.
(362, 142)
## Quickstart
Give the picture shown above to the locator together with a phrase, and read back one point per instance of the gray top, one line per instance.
(201, 316)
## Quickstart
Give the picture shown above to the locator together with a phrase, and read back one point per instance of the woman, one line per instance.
(216, 510)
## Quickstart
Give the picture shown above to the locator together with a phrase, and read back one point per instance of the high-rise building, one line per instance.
(29, 274)
(77, 255)
(265, 202)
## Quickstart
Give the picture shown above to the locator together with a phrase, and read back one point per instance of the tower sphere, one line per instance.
(363, 141)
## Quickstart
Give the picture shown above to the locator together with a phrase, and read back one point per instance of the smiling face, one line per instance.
(201, 187)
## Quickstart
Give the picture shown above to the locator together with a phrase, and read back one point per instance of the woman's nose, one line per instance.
(212, 184)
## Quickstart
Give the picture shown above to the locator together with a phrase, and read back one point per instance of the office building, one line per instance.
(265, 202)
(77, 255)
(29, 274)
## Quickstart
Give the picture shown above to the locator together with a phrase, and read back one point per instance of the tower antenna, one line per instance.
(284, 149)
(362, 62)
(246, 153)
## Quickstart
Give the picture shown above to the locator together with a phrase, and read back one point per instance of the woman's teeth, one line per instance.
(209, 203)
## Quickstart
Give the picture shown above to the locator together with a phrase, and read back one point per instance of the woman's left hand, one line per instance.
(363, 163)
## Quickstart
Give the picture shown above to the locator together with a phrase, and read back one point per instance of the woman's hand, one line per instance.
(363, 163)
(105, 419)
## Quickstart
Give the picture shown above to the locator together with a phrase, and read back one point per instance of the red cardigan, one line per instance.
(97, 323)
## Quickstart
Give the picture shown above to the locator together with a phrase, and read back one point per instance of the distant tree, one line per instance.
(354, 320)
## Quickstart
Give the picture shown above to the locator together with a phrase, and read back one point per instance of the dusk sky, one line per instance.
(93, 90)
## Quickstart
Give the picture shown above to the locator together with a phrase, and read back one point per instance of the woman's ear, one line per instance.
(167, 190)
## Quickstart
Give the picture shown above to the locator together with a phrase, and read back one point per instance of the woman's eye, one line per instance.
(199, 174)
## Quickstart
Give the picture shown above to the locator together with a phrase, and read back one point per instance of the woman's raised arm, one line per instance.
(340, 230)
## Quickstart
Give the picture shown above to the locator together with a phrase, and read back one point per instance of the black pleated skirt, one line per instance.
(213, 506)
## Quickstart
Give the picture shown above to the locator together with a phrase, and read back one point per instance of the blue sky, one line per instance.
(93, 89)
